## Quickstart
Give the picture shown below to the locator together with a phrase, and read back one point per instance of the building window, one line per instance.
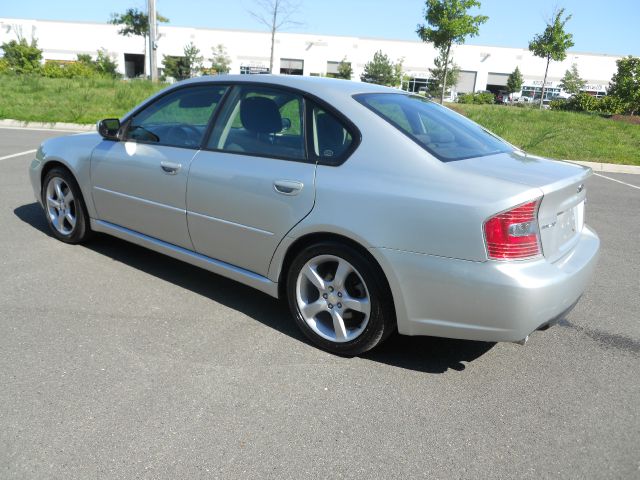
(291, 66)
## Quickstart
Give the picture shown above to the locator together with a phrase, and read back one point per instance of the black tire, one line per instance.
(381, 319)
(81, 230)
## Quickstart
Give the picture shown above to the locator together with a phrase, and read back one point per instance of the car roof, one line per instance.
(319, 86)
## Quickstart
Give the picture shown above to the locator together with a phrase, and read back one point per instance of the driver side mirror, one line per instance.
(109, 128)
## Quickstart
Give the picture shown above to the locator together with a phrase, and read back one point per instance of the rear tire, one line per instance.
(339, 299)
(64, 207)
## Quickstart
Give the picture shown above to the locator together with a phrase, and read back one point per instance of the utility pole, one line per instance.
(153, 68)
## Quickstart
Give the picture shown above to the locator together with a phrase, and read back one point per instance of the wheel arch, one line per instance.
(50, 165)
(308, 239)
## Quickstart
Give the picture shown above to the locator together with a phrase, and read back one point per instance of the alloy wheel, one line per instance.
(333, 298)
(61, 206)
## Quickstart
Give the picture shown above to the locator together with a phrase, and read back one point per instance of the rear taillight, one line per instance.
(514, 234)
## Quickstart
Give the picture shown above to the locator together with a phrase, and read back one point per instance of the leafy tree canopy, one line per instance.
(187, 66)
(448, 22)
(21, 56)
(134, 22)
(220, 61)
(625, 84)
(382, 71)
(571, 82)
(554, 42)
(345, 70)
(515, 81)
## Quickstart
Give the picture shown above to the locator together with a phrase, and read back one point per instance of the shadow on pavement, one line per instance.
(426, 354)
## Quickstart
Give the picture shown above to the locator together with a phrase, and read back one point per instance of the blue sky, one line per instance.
(598, 26)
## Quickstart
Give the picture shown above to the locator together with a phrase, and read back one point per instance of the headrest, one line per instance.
(260, 115)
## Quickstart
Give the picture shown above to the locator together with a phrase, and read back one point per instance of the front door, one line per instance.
(253, 182)
(140, 183)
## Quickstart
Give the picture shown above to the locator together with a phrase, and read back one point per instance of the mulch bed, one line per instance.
(634, 119)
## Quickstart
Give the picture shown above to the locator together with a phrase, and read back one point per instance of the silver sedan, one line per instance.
(368, 209)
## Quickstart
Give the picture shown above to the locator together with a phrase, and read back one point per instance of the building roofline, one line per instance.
(355, 37)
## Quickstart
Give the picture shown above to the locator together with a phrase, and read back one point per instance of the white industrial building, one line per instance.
(482, 67)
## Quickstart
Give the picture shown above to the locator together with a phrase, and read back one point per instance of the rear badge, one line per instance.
(580, 188)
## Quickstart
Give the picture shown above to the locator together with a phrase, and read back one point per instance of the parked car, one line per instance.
(368, 209)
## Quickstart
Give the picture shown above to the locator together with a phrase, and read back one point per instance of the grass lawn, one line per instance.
(562, 135)
(80, 100)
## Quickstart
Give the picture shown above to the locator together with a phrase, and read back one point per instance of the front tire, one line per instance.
(339, 298)
(64, 207)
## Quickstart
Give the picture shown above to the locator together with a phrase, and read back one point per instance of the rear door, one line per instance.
(254, 180)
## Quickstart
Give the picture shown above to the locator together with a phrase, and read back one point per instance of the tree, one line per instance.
(193, 59)
(571, 82)
(220, 61)
(448, 23)
(276, 15)
(102, 65)
(552, 44)
(135, 23)
(186, 66)
(106, 65)
(22, 56)
(444, 73)
(381, 71)
(625, 84)
(344, 69)
(514, 81)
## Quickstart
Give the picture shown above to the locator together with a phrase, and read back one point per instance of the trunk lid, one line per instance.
(561, 213)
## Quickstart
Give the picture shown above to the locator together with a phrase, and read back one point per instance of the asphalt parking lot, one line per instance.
(117, 362)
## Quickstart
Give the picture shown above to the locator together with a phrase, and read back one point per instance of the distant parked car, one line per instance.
(368, 209)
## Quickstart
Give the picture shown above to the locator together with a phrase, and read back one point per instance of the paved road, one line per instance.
(117, 362)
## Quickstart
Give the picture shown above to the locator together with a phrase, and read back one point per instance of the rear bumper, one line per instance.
(489, 301)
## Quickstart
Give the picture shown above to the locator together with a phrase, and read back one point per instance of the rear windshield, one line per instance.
(443, 133)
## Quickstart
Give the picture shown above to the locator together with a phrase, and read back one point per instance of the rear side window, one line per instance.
(178, 119)
(331, 139)
(261, 121)
(443, 133)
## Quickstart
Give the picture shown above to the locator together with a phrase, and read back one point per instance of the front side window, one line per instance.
(178, 119)
(443, 133)
(261, 121)
(331, 139)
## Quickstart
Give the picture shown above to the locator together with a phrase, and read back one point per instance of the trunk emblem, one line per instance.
(580, 188)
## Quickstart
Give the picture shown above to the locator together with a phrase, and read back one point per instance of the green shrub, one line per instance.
(557, 104)
(54, 69)
(476, 98)
(583, 102)
(611, 105)
(21, 56)
(4, 66)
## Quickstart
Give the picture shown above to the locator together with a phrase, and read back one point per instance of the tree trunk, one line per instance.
(444, 77)
(544, 82)
(273, 35)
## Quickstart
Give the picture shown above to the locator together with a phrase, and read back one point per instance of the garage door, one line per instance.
(498, 79)
(466, 82)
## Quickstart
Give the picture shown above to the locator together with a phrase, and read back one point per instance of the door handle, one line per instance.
(170, 168)
(288, 187)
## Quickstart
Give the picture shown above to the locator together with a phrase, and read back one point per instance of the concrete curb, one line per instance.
(609, 167)
(76, 127)
(62, 126)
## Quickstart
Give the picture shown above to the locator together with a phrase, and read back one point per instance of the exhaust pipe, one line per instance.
(522, 342)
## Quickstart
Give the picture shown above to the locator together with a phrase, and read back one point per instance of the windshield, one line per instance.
(443, 133)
